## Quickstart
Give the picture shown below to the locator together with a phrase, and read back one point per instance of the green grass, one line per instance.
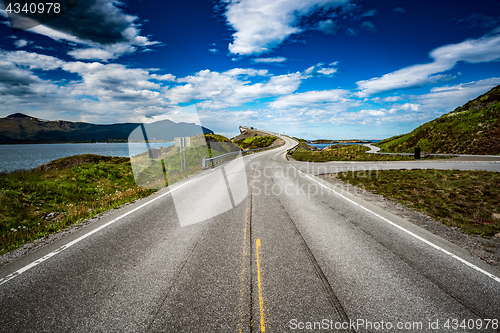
(450, 196)
(255, 142)
(473, 128)
(39, 202)
(343, 153)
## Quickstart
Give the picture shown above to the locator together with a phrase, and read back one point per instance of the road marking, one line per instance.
(79, 239)
(242, 274)
(261, 303)
(497, 279)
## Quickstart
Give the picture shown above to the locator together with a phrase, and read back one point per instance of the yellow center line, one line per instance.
(262, 323)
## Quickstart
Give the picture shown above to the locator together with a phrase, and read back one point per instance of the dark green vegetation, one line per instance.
(60, 193)
(255, 142)
(323, 141)
(20, 128)
(299, 140)
(451, 196)
(151, 173)
(342, 153)
(473, 128)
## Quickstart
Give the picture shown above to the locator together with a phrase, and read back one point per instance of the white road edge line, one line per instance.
(79, 239)
(497, 279)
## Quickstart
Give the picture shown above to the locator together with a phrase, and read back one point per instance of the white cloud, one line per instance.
(484, 49)
(369, 12)
(20, 43)
(165, 77)
(31, 60)
(418, 108)
(231, 88)
(103, 52)
(369, 26)
(319, 69)
(262, 25)
(328, 26)
(100, 30)
(269, 60)
(447, 98)
(310, 99)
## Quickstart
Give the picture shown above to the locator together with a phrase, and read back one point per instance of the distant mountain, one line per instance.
(20, 128)
(473, 128)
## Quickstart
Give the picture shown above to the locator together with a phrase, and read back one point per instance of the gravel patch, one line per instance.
(487, 249)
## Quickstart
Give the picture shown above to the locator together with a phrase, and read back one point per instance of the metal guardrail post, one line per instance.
(210, 162)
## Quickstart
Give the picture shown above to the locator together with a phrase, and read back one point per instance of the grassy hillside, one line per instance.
(255, 142)
(473, 128)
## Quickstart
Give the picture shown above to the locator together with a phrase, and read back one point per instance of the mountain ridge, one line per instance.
(20, 128)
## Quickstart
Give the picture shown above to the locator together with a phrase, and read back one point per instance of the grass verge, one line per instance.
(255, 142)
(45, 200)
(343, 153)
(456, 198)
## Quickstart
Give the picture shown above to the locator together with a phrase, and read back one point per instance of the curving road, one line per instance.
(258, 244)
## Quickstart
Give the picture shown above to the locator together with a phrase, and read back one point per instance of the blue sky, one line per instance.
(337, 69)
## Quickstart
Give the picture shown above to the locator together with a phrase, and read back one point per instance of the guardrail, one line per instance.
(214, 161)
(294, 148)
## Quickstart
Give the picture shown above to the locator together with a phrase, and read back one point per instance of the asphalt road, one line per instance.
(253, 245)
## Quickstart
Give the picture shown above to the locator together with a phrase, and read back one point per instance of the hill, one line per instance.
(20, 128)
(473, 128)
(251, 138)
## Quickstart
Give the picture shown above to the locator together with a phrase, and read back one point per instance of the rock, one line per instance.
(497, 235)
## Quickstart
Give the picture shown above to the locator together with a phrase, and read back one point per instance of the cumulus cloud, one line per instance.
(417, 108)
(100, 28)
(133, 94)
(320, 69)
(475, 20)
(399, 10)
(328, 26)
(369, 12)
(30, 60)
(231, 88)
(485, 49)
(310, 99)
(269, 60)
(20, 43)
(368, 26)
(262, 25)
